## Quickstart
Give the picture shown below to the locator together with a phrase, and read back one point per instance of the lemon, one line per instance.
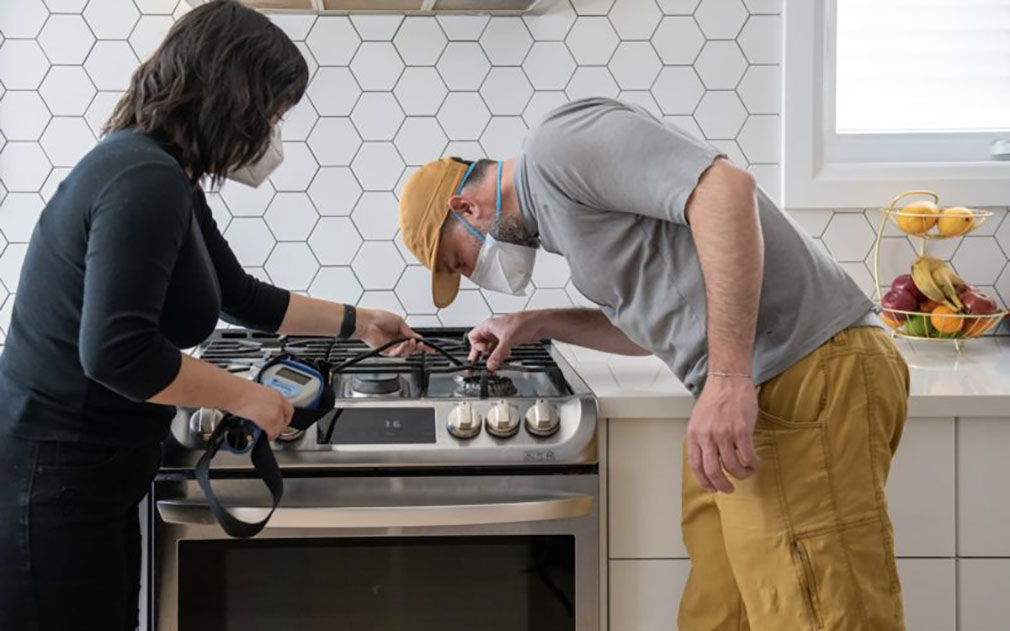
(956, 221)
(918, 217)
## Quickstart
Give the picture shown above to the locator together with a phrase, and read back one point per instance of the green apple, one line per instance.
(919, 326)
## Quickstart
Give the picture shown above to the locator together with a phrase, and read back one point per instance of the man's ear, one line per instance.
(458, 205)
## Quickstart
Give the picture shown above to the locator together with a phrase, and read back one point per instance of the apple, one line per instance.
(899, 300)
(919, 326)
(964, 288)
(978, 303)
(905, 283)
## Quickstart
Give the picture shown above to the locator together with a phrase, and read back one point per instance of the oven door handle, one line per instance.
(543, 508)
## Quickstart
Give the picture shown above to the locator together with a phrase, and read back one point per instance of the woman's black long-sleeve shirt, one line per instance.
(125, 267)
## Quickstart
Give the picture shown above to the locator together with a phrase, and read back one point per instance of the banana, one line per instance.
(936, 281)
(944, 278)
(922, 275)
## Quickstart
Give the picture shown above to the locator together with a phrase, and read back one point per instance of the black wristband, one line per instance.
(350, 322)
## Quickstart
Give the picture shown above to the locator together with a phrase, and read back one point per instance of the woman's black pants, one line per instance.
(70, 534)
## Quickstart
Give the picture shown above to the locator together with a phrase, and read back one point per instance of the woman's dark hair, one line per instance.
(215, 88)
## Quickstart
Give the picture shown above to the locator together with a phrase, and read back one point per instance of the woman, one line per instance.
(125, 267)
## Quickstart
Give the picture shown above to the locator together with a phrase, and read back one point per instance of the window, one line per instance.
(888, 95)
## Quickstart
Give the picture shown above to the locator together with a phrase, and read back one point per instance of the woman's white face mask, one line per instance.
(502, 267)
(256, 173)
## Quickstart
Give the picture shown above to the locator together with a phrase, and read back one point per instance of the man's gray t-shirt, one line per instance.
(605, 184)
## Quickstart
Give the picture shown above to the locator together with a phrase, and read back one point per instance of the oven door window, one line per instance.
(495, 583)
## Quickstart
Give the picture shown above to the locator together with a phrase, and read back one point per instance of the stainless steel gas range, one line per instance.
(437, 497)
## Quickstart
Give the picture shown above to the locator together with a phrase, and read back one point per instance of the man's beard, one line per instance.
(513, 230)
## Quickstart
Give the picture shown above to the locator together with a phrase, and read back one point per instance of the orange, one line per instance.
(889, 320)
(918, 217)
(945, 321)
(928, 306)
(975, 327)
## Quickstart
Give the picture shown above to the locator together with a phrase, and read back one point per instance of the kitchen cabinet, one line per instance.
(920, 489)
(643, 495)
(645, 593)
(983, 520)
(930, 593)
(984, 592)
(947, 496)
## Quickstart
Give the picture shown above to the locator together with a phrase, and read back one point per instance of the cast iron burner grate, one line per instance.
(497, 386)
(374, 384)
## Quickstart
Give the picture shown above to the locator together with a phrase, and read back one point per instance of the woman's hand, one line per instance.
(377, 327)
(265, 407)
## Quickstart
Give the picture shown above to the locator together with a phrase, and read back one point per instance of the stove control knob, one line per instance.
(542, 419)
(203, 422)
(464, 421)
(503, 420)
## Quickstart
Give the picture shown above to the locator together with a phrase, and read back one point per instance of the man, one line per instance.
(688, 259)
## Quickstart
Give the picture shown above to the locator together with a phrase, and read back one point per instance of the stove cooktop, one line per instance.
(423, 410)
(530, 370)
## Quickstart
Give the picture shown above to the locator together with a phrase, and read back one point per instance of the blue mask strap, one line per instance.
(468, 226)
(465, 177)
(462, 182)
(497, 201)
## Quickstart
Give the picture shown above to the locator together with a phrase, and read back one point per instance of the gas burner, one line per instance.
(375, 384)
(497, 386)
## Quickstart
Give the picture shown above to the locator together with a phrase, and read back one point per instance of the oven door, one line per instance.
(424, 553)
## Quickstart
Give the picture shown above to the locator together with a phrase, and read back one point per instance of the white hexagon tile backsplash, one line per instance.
(389, 93)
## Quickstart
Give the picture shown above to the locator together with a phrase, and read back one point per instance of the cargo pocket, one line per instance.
(848, 578)
(808, 584)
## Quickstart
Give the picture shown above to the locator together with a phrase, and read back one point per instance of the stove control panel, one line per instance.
(464, 421)
(543, 419)
(503, 420)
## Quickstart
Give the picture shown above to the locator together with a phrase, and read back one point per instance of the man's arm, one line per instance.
(584, 327)
(723, 216)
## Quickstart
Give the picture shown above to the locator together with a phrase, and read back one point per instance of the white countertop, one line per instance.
(944, 383)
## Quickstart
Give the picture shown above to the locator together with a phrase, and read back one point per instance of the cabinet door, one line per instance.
(984, 593)
(643, 467)
(920, 489)
(930, 593)
(983, 520)
(645, 594)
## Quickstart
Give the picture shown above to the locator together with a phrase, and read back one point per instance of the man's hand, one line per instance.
(496, 337)
(377, 327)
(720, 434)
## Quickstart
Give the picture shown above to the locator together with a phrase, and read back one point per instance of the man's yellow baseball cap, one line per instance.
(424, 207)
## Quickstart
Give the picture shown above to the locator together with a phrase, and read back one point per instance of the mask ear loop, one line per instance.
(462, 182)
(468, 227)
(497, 201)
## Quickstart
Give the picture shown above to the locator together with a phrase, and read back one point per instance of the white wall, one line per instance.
(390, 93)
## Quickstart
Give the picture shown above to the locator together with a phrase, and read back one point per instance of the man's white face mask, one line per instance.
(502, 267)
(256, 173)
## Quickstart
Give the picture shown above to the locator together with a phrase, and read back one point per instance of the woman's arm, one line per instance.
(311, 316)
(204, 385)
(585, 327)
(250, 302)
(135, 232)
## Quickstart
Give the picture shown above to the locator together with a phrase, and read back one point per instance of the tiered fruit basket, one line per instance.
(931, 302)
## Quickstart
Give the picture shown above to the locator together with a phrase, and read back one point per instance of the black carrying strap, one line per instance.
(238, 432)
(266, 468)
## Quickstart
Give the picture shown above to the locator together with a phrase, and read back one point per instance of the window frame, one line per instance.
(822, 169)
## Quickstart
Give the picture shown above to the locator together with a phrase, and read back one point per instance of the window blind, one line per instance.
(915, 66)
